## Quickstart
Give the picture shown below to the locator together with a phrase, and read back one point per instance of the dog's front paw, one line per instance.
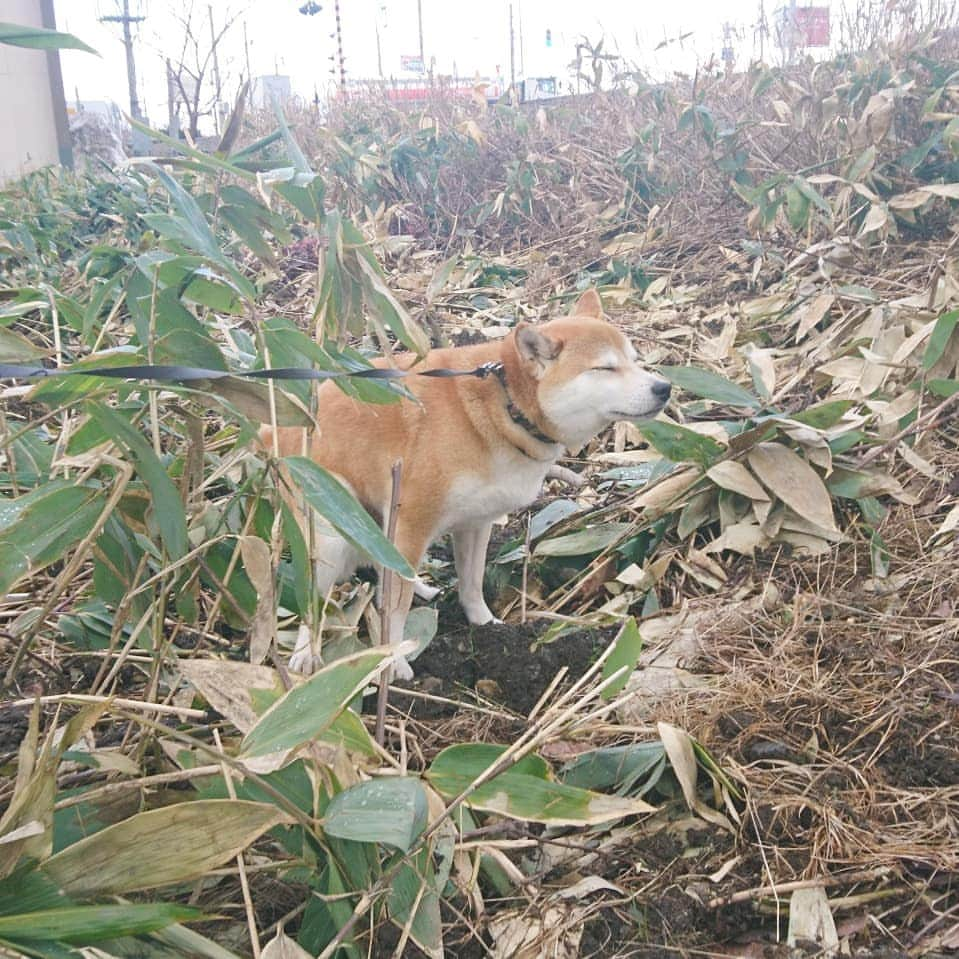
(303, 660)
(565, 475)
(423, 591)
(402, 669)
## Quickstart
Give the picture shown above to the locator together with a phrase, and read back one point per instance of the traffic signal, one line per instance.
(549, 38)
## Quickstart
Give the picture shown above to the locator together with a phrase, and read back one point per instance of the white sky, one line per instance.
(472, 36)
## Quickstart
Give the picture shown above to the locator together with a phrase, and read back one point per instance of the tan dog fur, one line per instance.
(465, 461)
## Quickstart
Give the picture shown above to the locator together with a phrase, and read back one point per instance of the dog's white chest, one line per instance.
(513, 481)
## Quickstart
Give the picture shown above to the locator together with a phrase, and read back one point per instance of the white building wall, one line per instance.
(27, 111)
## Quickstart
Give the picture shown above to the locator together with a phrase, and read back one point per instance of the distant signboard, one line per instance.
(413, 64)
(268, 88)
(813, 25)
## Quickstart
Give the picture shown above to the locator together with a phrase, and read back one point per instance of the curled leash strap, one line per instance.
(187, 374)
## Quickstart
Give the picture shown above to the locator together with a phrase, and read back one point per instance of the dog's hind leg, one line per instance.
(412, 544)
(335, 561)
(469, 553)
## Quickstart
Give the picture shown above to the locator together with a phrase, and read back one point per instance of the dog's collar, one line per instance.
(512, 410)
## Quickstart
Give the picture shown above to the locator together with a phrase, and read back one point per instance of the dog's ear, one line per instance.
(536, 349)
(589, 304)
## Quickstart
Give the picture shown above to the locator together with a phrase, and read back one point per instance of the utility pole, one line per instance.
(762, 31)
(216, 73)
(512, 52)
(126, 20)
(173, 117)
(379, 49)
(339, 45)
(419, 18)
(522, 53)
(249, 75)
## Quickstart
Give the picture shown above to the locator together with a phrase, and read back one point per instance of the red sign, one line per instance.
(812, 23)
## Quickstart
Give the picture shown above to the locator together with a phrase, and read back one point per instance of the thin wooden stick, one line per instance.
(386, 596)
(144, 782)
(135, 704)
(761, 892)
(522, 595)
(240, 864)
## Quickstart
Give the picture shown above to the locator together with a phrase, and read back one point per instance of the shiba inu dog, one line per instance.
(472, 448)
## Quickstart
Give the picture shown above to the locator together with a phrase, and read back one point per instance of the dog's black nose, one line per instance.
(662, 389)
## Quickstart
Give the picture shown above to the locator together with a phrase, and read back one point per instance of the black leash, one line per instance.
(187, 374)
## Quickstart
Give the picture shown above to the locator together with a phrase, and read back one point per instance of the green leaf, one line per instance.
(617, 767)
(627, 646)
(862, 164)
(942, 387)
(584, 542)
(167, 505)
(28, 890)
(327, 913)
(879, 556)
(519, 795)
(15, 348)
(860, 294)
(859, 484)
(192, 230)
(481, 756)
(300, 164)
(306, 711)
(333, 501)
(709, 385)
(680, 445)
(414, 886)
(162, 846)
(939, 340)
(38, 528)
(823, 416)
(392, 810)
(86, 925)
(812, 194)
(64, 390)
(301, 565)
(206, 161)
(380, 299)
(797, 207)
(39, 38)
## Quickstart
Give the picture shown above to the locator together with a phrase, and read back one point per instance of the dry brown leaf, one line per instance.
(162, 846)
(732, 475)
(281, 946)
(743, 538)
(812, 313)
(811, 920)
(259, 568)
(228, 686)
(555, 932)
(679, 748)
(795, 482)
